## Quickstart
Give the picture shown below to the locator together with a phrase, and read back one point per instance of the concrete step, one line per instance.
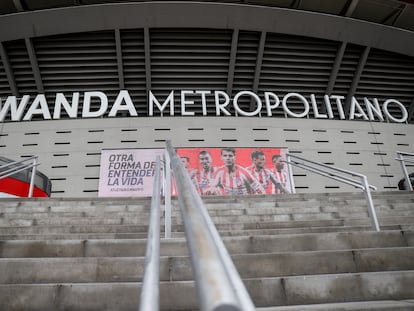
(45, 230)
(389, 220)
(381, 305)
(58, 211)
(77, 236)
(180, 234)
(300, 230)
(79, 228)
(44, 204)
(55, 220)
(140, 231)
(141, 204)
(139, 219)
(181, 295)
(291, 250)
(335, 287)
(235, 245)
(28, 217)
(51, 205)
(56, 224)
(263, 265)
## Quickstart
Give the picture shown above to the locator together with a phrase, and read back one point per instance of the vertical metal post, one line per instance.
(214, 287)
(404, 168)
(150, 296)
(167, 194)
(238, 285)
(292, 183)
(32, 178)
(371, 209)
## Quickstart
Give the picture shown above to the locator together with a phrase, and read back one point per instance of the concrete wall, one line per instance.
(69, 150)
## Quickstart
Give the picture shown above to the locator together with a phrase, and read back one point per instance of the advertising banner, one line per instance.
(213, 171)
(237, 171)
(127, 172)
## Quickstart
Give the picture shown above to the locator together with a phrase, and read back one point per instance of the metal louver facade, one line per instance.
(203, 59)
(166, 47)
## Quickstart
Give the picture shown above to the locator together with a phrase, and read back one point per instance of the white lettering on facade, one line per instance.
(269, 97)
(38, 106)
(61, 101)
(356, 106)
(404, 112)
(295, 105)
(302, 99)
(185, 102)
(16, 112)
(246, 113)
(338, 99)
(123, 96)
(153, 99)
(103, 104)
(373, 108)
(221, 107)
(316, 112)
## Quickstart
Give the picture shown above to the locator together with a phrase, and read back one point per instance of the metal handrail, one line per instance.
(218, 283)
(403, 160)
(167, 196)
(333, 173)
(150, 296)
(14, 170)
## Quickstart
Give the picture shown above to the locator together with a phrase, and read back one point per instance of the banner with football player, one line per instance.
(213, 171)
(237, 171)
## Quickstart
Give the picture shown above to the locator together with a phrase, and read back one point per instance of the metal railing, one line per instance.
(150, 296)
(340, 175)
(167, 196)
(218, 283)
(405, 157)
(12, 168)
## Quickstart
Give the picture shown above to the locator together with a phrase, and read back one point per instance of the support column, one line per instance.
(8, 69)
(119, 59)
(259, 61)
(35, 65)
(147, 52)
(232, 62)
(357, 77)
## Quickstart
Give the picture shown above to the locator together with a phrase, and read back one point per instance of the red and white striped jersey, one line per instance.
(202, 180)
(282, 178)
(263, 176)
(237, 182)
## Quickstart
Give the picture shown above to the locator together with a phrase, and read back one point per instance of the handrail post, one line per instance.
(290, 170)
(150, 296)
(404, 169)
(214, 284)
(167, 194)
(32, 178)
(14, 170)
(363, 185)
(371, 209)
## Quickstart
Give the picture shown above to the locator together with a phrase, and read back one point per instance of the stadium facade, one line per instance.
(333, 81)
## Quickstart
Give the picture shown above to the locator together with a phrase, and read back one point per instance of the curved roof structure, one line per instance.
(387, 12)
(356, 52)
(160, 46)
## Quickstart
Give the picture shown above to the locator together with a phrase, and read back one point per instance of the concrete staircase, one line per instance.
(294, 252)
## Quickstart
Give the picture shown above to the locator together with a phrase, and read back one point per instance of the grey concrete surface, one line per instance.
(88, 259)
